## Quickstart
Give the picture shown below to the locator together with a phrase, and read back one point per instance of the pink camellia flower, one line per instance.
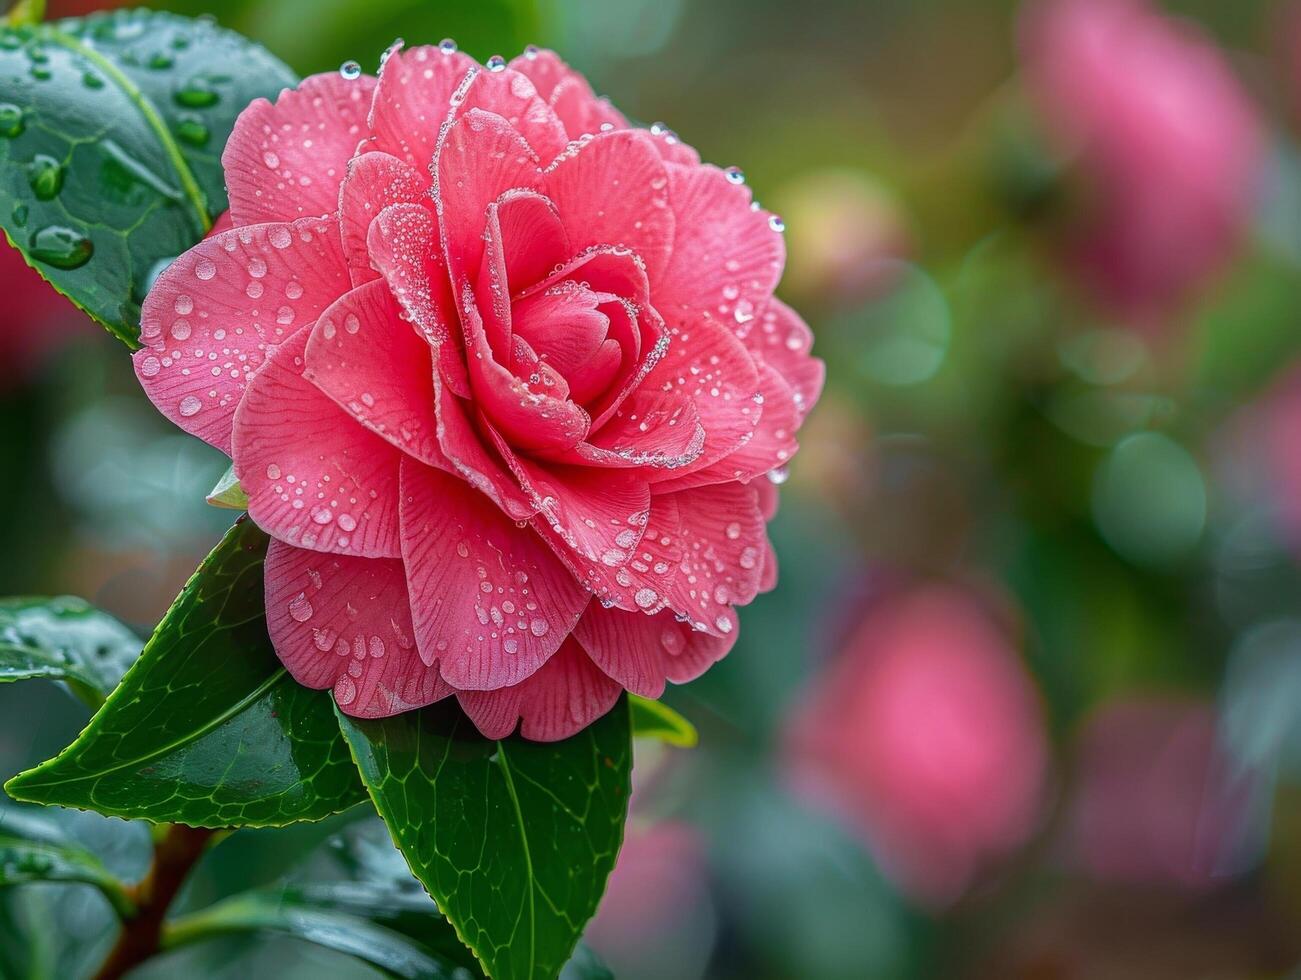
(1169, 146)
(926, 736)
(502, 378)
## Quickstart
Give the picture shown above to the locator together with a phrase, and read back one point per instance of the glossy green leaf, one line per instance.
(33, 848)
(305, 913)
(655, 719)
(65, 639)
(111, 132)
(207, 728)
(513, 839)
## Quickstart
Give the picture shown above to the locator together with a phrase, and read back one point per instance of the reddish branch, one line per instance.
(174, 856)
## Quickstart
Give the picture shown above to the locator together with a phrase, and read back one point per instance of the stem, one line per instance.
(174, 856)
(26, 12)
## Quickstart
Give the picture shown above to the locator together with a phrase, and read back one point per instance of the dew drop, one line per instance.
(539, 627)
(273, 472)
(189, 406)
(495, 63)
(350, 70)
(447, 46)
(735, 175)
(150, 366)
(347, 522)
(345, 691)
(61, 247)
(11, 120)
(45, 175)
(775, 223)
(204, 269)
(300, 608)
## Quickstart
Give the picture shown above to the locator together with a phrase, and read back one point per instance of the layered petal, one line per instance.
(373, 182)
(643, 652)
(612, 189)
(784, 341)
(314, 476)
(286, 161)
(568, 93)
(413, 97)
(480, 157)
(489, 600)
(727, 257)
(565, 696)
(722, 534)
(371, 363)
(344, 623)
(216, 311)
(707, 364)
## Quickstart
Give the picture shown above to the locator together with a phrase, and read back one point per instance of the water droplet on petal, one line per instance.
(447, 46)
(189, 406)
(300, 608)
(495, 63)
(350, 70)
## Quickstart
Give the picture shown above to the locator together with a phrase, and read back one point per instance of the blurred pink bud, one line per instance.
(33, 317)
(1168, 146)
(926, 735)
(1155, 802)
(656, 918)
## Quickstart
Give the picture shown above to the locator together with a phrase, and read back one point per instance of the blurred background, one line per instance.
(1027, 702)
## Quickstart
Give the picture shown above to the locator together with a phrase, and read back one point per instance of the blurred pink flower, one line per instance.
(926, 735)
(1155, 801)
(656, 918)
(33, 318)
(1169, 147)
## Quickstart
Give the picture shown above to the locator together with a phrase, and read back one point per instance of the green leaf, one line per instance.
(207, 728)
(305, 913)
(111, 133)
(65, 639)
(513, 839)
(228, 493)
(34, 849)
(655, 719)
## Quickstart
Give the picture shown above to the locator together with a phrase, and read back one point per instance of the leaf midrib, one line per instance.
(504, 764)
(152, 119)
(213, 723)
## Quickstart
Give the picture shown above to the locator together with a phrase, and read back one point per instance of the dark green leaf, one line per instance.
(307, 914)
(654, 719)
(35, 849)
(207, 728)
(111, 132)
(65, 639)
(513, 839)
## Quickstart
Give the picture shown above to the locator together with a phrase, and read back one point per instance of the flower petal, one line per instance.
(565, 696)
(642, 652)
(212, 316)
(598, 515)
(490, 602)
(370, 362)
(286, 161)
(373, 182)
(480, 157)
(772, 445)
(784, 341)
(708, 364)
(612, 189)
(344, 623)
(722, 535)
(470, 456)
(404, 248)
(727, 258)
(412, 99)
(569, 94)
(314, 476)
